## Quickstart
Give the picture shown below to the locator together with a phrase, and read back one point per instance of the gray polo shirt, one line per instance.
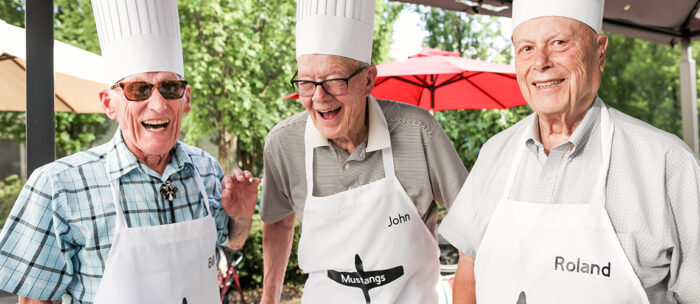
(427, 165)
(652, 194)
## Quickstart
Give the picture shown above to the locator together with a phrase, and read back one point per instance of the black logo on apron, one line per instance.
(365, 280)
(521, 298)
(184, 300)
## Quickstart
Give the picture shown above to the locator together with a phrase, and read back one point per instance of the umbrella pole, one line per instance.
(432, 100)
(40, 86)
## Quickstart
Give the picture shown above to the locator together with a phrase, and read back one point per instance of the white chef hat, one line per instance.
(589, 12)
(138, 36)
(336, 27)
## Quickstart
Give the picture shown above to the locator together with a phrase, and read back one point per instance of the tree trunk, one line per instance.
(228, 145)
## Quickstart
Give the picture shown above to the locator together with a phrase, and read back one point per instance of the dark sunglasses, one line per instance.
(141, 90)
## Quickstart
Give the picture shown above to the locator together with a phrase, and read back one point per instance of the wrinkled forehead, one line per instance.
(551, 26)
(322, 64)
(153, 77)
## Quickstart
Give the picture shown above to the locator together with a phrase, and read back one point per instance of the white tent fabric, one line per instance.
(78, 74)
(663, 21)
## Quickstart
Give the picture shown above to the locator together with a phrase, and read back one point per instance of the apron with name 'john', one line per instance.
(368, 244)
(555, 253)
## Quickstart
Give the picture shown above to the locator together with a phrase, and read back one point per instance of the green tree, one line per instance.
(239, 56)
(73, 24)
(386, 13)
(472, 36)
(11, 11)
(476, 37)
(642, 79)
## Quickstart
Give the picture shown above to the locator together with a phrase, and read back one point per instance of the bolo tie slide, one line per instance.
(168, 191)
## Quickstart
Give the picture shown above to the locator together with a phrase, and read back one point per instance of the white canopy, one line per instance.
(78, 74)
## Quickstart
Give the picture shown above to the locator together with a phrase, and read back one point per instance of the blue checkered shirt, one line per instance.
(58, 236)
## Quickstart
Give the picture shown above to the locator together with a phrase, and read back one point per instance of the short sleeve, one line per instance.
(683, 192)
(446, 169)
(462, 221)
(274, 204)
(36, 242)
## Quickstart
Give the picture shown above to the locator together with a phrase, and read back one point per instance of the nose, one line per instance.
(542, 60)
(320, 94)
(156, 102)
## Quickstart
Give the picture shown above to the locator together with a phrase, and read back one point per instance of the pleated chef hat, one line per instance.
(589, 12)
(336, 27)
(138, 36)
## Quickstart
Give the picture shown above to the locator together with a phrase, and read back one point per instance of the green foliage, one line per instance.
(251, 268)
(9, 191)
(476, 37)
(75, 25)
(239, 56)
(642, 79)
(11, 11)
(385, 15)
(472, 36)
(470, 129)
(74, 132)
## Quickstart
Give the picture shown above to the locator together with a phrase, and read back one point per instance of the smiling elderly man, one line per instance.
(135, 220)
(362, 175)
(578, 203)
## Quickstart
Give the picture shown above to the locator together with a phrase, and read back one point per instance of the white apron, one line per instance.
(367, 244)
(555, 253)
(173, 263)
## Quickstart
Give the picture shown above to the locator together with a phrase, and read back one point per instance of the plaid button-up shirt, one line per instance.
(58, 236)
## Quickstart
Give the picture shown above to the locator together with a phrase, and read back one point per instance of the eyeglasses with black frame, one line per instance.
(335, 86)
(141, 90)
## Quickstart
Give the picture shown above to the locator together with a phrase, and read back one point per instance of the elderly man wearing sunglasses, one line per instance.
(135, 220)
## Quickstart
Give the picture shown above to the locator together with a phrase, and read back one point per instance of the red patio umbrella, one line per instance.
(439, 80)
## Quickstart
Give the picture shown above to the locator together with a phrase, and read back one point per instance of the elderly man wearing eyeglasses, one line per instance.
(364, 176)
(135, 220)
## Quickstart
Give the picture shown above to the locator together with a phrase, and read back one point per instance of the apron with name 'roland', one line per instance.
(555, 253)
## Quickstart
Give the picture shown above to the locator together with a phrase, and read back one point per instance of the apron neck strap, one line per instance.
(116, 197)
(607, 129)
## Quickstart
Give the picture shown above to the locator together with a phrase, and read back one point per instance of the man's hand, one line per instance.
(238, 197)
(239, 194)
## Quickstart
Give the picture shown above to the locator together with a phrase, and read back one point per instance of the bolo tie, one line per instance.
(168, 191)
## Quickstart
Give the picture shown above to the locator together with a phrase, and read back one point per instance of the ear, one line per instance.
(188, 106)
(106, 103)
(602, 45)
(371, 78)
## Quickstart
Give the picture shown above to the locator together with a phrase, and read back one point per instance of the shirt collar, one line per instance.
(122, 161)
(580, 136)
(378, 137)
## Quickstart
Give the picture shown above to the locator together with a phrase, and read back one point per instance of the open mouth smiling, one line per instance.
(329, 114)
(155, 125)
(546, 84)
